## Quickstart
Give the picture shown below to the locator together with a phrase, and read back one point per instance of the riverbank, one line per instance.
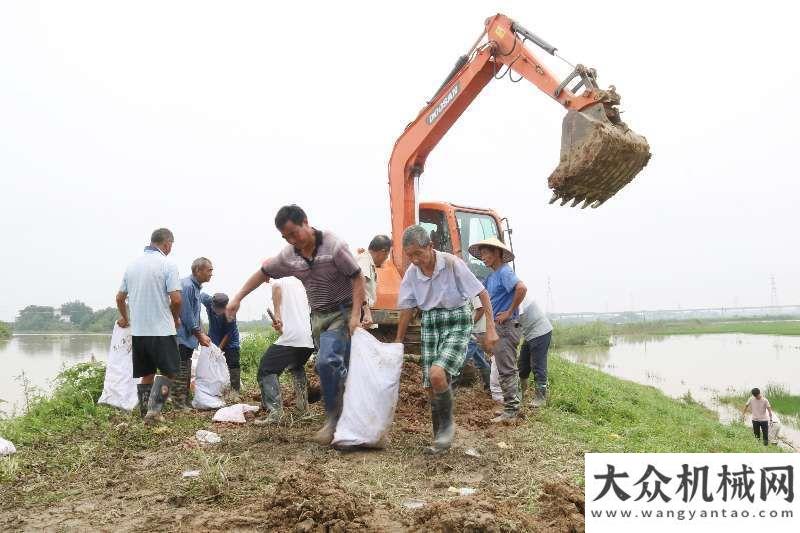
(699, 327)
(84, 466)
(779, 398)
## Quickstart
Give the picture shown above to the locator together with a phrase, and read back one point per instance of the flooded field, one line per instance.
(706, 366)
(41, 358)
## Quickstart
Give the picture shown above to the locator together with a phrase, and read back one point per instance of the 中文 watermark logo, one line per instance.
(704, 492)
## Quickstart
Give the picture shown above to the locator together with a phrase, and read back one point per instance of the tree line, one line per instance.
(71, 316)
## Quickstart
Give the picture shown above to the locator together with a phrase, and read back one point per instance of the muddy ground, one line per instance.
(275, 479)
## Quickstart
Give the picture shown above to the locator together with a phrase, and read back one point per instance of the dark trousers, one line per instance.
(761, 426)
(232, 357)
(278, 358)
(533, 354)
(185, 352)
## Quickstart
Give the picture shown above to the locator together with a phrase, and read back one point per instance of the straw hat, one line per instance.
(508, 255)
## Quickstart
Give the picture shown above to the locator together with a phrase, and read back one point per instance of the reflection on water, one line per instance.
(41, 358)
(707, 366)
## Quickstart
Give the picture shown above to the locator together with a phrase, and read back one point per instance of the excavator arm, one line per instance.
(599, 153)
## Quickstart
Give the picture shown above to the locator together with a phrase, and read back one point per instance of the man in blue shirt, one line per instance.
(506, 292)
(190, 332)
(224, 333)
(149, 301)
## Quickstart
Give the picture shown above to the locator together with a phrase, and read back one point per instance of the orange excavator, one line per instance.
(599, 153)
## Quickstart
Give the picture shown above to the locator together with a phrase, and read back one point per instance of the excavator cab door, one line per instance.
(475, 227)
(435, 221)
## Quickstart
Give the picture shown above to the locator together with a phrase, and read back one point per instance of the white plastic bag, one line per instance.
(371, 391)
(6, 447)
(211, 379)
(234, 413)
(207, 437)
(119, 385)
(494, 384)
(774, 429)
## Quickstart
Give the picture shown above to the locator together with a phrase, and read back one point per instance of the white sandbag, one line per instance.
(6, 447)
(119, 385)
(234, 413)
(211, 378)
(774, 429)
(371, 391)
(494, 384)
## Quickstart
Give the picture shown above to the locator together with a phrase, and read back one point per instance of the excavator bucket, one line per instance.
(598, 157)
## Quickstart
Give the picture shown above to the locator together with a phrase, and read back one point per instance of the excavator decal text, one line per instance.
(448, 98)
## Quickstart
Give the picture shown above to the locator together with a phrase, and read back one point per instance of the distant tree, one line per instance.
(40, 318)
(102, 320)
(5, 330)
(79, 313)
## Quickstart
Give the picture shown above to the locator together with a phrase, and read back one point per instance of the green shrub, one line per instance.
(5, 330)
(589, 334)
(252, 348)
(72, 406)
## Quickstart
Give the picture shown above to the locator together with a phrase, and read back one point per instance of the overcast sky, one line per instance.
(205, 117)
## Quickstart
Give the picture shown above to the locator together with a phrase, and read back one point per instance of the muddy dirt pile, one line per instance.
(473, 515)
(305, 499)
(563, 508)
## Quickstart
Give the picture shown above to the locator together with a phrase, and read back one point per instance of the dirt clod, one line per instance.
(473, 515)
(563, 507)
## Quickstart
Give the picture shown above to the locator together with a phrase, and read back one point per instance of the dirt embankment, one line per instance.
(275, 479)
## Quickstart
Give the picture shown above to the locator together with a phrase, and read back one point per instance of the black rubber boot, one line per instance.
(180, 387)
(270, 400)
(158, 396)
(236, 379)
(486, 374)
(143, 392)
(300, 383)
(443, 426)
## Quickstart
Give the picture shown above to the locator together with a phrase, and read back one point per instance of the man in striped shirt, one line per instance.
(335, 289)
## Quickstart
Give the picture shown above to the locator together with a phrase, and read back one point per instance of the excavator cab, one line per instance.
(454, 229)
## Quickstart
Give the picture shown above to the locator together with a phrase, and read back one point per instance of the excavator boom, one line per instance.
(599, 153)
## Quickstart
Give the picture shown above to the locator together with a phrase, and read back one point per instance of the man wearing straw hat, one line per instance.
(506, 292)
(441, 285)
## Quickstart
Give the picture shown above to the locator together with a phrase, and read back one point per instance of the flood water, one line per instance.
(41, 358)
(707, 366)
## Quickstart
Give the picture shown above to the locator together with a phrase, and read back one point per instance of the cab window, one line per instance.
(436, 224)
(475, 227)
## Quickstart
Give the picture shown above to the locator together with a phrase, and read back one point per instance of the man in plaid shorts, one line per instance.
(441, 285)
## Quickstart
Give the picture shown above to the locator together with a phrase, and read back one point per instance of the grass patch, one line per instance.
(588, 334)
(698, 327)
(779, 398)
(252, 348)
(601, 413)
(72, 407)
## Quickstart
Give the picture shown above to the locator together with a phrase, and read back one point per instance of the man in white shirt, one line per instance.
(369, 261)
(291, 350)
(441, 285)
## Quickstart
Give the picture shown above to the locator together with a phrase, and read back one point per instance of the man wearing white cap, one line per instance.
(506, 292)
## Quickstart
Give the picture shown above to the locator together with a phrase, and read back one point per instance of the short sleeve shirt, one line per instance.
(367, 265)
(759, 408)
(532, 320)
(148, 280)
(327, 277)
(480, 326)
(501, 285)
(450, 286)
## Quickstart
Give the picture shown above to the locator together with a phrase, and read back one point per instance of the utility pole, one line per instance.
(773, 294)
(550, 306)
